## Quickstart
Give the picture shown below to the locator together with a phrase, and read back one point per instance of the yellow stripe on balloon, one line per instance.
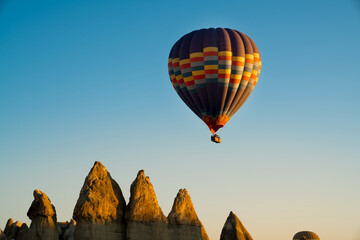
(240, 59)
(235, 76)
(199, 72)
(196, 54)
(225, 53)
(249, 56)
(188, 79)
(224, 71)
(184, 61)
(211, 49)
(247, 74)
(211, 67)
(179, 77)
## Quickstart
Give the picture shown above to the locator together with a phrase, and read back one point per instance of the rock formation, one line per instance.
(66, 230)
(183, 211)
(9, 222)
(145, 219)
(2, 235)
(234, 229)
(143, 205)
(14, 230)
(184, 223)
(99, 211)
(43, 218)
(23, 232)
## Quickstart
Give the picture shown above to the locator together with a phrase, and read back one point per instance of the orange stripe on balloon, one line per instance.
(225, 57)
(224, 75)
(238, 63)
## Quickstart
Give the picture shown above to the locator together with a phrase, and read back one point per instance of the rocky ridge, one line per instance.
(101, 213)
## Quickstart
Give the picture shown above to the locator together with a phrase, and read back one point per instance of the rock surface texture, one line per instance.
(9, 222)
(183, 221)
(143, 205)
(101, 213)
(14, 230)
(43, 218)
(144, 217)
(100, 209)
(23, 232)
(66, 230)
(2, 235)
(183, 211)
(234, 229)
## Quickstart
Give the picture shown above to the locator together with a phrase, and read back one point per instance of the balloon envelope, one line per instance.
(306, 235)
(214, 71)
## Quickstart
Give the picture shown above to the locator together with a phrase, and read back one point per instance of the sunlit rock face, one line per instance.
(43, 218)
(184, 223)
(100, 209)
(14, 230)
(234, 229)
(144, 217)
(183, 211)
(143, 205)
(102, 214)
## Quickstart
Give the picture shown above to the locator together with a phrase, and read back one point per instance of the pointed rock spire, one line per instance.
(183, 211)
(143, 205)
(99, 211)
(100, 197)
(234, 229)
(9, 222)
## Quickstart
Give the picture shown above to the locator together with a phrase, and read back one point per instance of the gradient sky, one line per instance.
(82, 81)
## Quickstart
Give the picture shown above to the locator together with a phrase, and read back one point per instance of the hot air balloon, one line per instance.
(214, 71)
(306, 235)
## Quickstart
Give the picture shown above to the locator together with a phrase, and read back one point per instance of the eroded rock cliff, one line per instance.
(234, 229)
(100, 209)
(43, 218)
(101, 213)
(144, 217)
(184, 223)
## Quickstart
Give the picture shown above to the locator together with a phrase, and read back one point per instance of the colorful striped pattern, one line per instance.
(214, 72)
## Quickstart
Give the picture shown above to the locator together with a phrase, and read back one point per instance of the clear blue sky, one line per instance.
(82, 81)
